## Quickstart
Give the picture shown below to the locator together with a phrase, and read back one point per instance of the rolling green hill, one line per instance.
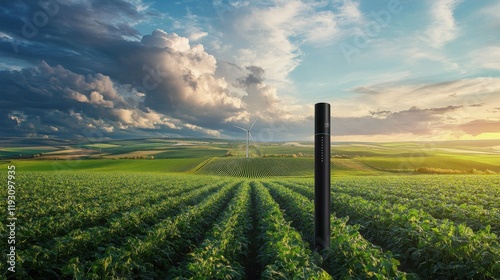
(266, 158)
(108, 165)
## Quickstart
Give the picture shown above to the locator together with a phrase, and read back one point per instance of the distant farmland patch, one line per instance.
(136, 154)
(257, 167)
(102, 145)
(25, 151)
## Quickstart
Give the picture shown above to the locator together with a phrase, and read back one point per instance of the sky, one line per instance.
(392, 70)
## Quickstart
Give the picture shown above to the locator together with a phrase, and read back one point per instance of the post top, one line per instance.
(322, 118)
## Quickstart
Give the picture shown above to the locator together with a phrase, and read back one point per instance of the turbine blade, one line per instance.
(251, 137)
(240, 127)
(253, 123)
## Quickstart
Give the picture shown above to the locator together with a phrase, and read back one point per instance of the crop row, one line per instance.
(475, 216)
(48, 257)
(222, 253)
(248, 168)
(50, 194)
(436, 248)
(194, 227)
(462, 199)
(256, 167)
(85, 215)
(283, 253)
(454, 189)
(154, 253)
(349, 255)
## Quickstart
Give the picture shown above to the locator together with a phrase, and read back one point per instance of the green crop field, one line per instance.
(108, 165)
(94, 225)
(257, 167)
(190, 212)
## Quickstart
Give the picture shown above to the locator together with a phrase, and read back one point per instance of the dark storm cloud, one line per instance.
(54, 101)
(86, 37)
(61, 32)
(33, 20)
(158, 82)
(96, 39)
(255, 76)
(51, 88)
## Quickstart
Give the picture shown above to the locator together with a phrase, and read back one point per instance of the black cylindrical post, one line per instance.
(322, 176)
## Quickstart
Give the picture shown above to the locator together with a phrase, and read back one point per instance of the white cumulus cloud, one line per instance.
(443, 27)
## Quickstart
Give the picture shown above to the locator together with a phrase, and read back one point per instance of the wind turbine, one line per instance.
(248, 133)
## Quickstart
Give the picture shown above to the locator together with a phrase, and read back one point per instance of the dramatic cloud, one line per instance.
(55, 101)
(69, 31)
(160, 76)
(180, 80)
(161, 39)
(161, 83)
(122, 68)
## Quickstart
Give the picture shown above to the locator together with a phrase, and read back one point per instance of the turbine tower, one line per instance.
(248, 134)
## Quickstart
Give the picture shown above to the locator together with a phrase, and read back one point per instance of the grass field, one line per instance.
(192, 212)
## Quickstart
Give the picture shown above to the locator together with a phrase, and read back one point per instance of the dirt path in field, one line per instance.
(252, 268)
